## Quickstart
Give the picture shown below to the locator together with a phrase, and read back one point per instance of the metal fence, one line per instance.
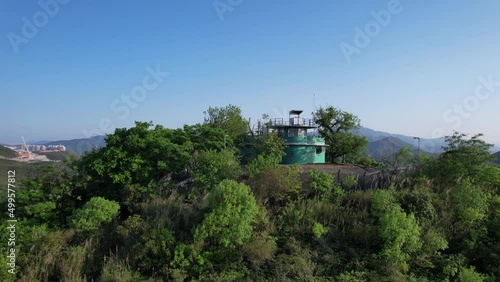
(379, 179)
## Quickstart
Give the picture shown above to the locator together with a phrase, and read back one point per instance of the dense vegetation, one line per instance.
(159, 204)
(336, 127)
(24, 170)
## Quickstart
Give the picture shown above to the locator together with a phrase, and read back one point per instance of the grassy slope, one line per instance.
(58, 156)
(23, 171)
(7, 153)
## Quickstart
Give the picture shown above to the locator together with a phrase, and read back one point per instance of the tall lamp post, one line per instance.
(418, 148)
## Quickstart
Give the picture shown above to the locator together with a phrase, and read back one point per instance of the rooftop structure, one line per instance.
(294, 119)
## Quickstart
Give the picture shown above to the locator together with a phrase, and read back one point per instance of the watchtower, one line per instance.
(302, 146)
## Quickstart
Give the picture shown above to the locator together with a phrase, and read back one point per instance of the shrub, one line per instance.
(212, 167)
(260, 248)
(232, 217)
(262, 163)
(350, 181)
(321, 182)
(95, 212)
(277, 185)
(318, 230)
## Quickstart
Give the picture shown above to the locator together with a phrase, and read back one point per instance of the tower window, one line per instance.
(280, 132)
(319, 149)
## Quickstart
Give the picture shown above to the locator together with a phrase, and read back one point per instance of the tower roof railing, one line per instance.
(306, 122)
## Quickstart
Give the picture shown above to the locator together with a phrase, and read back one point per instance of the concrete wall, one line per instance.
(303, 155)
(299, 150)
(304, 150)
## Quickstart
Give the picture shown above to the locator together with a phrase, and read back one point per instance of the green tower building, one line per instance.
(301, 148)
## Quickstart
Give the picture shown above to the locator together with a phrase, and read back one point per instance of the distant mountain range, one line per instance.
(380, 143)
(427, 145)
(80, 146)
(497, 160)
(384, 149)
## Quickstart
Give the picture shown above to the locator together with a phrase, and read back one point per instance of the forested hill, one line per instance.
(159, 204)
(386, 148)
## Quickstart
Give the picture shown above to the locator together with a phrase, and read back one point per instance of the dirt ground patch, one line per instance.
(345, 169)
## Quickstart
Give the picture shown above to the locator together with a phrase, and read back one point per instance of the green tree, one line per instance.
(231, 218)
(95, 212)
(52, 196)
(400, 232)
(212, 167)
(470, 275)
(205, 137)
(262, 163)
(270, 144)
(336, 127)
(403, 157)
(321, 182)
(138, 155)
(474, 147)
(227, 118)
(462, 157)
(470, 206)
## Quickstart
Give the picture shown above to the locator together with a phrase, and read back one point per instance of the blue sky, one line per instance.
(422, 72)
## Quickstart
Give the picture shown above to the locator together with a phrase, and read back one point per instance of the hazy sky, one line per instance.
(71, 69)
